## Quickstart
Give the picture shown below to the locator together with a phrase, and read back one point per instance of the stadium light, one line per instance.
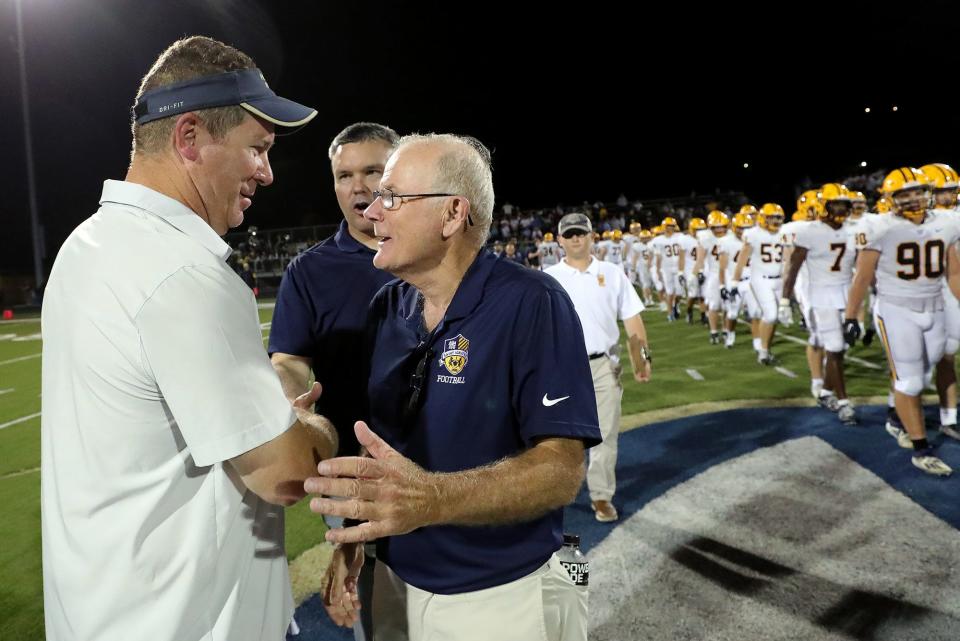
(35, 229)
(894, 107)
(863, 164)
(867, 110)
(746, 165)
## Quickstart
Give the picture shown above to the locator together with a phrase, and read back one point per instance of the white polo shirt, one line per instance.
(602, 295)
(154, 374)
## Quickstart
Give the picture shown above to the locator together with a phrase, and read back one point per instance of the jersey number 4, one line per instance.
(928, 260)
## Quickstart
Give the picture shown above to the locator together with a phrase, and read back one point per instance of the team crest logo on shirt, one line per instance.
(454, 355)
(601, 280)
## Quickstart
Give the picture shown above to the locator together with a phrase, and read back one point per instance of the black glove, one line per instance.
(683, 281)
(701, 278)
(851, 331)
(724, 293)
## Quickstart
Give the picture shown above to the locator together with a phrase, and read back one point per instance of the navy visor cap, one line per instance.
(246, 88)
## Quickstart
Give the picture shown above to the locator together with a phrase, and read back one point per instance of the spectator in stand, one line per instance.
(510, 252)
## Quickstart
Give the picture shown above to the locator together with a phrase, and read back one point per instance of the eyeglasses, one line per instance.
(392, 200)
(570, 233)
(416, 386)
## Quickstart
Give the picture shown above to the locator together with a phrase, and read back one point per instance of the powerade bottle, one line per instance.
(574, 561)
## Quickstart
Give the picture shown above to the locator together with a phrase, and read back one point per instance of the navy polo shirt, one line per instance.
(504, 367)
(321, 313)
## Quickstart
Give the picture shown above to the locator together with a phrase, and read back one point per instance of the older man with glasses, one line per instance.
(478, 423)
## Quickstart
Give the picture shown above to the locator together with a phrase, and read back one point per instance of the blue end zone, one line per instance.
(656, 458)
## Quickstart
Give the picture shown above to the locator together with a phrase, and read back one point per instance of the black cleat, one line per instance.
(868, 336)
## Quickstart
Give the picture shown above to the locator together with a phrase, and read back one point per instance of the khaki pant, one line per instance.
(602, 471)
(542, 606)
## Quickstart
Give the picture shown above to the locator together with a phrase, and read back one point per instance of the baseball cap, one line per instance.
(574, 221)
(246, 88)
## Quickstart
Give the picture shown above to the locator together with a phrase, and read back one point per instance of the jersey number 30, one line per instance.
(927, 261)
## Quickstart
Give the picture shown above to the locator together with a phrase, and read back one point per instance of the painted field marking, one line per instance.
(17, 360)
(785, 372)
(16, 421)
(694, 374)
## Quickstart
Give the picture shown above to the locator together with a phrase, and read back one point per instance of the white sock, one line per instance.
(862, 328)
(843, 401)
(890, 400)
(763, 353)
(825, 392)
(758, 345)
(948, 416)
(816, 384)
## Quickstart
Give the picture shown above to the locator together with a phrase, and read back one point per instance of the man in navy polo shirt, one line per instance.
(479, 417)
(319, 324)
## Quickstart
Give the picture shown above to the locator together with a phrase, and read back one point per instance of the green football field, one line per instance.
(686, 370)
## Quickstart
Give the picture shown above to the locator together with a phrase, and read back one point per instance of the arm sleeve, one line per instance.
(291, 329)
(200, 337)
(550, 363)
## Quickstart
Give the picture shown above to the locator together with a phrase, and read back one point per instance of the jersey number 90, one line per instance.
(928, 260)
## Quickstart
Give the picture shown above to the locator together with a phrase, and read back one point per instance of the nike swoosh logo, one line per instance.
(550, 402)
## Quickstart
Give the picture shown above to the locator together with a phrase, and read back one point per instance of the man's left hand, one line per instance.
(391, 493)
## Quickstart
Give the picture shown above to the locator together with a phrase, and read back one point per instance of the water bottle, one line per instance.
(574, 561)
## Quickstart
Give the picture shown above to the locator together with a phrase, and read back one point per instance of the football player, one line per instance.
(944, 182)
(825, 248)
(670, 264)
(730, 248)
(910, 253)
(690, 247)
(549, 251)
(707, 269)
(764, 249)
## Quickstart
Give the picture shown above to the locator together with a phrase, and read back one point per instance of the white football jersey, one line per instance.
(690, 247)
(710, 245)
(788, 231)
(640, 253)
(732, 246)
(859, 229)
(549, 253)
(615, 252)
(913, 258)
(766, 257)
(830, 253)
(669, 251)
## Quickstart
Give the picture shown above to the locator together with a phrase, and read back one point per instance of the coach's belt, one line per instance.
(597, 355)
(929, 304)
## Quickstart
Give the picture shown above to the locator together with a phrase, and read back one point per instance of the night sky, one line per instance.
(576, 105)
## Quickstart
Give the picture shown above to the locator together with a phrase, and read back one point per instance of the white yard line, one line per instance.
(800, 341)
(266, 305)
(265, 325)
(20, 473)
(17, 421)
(17, 360)
(19, 320)
(785, 372)
(6, 391)
(694, 374)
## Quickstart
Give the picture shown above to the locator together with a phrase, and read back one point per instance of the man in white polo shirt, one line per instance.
(602, 294)
(166, 436)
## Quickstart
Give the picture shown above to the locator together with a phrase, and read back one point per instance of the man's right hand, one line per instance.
(339, 586)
